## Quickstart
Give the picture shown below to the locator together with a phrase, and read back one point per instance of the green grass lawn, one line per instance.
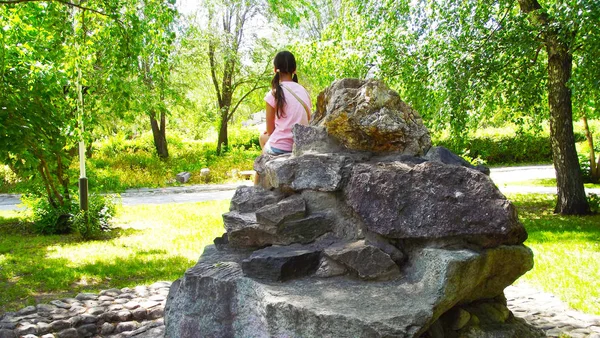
(546, 182)
(151, 243)
(160, 242)
(566, 251)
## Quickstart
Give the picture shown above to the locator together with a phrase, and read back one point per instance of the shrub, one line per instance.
(503, 148)
(594, 202)
(92, 223)
(49, 220)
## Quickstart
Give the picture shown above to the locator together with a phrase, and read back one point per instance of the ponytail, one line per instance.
(278, 94)
(284, 62)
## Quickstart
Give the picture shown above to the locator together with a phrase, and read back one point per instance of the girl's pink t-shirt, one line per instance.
(294, 112)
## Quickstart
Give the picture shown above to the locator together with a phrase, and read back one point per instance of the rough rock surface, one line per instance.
(359, 233)
(367, 115)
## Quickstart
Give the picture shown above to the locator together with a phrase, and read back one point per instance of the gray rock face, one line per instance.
(366, 115)
(432, 200)
(312, 139)
(355, 235)
(367, 261)
(248, 199)
(443, 155)
(336, 307)
(282, 263)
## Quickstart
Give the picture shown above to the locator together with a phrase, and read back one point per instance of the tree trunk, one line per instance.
(159, 133)
(593, 166)
(571, 193)
(223, 139)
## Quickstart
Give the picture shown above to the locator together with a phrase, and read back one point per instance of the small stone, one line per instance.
(77, 310)
(26, 328)
(160, 285)
(71, 301)
(156, 313)
(86, 296)
(121, 301)
(126, 290)
(131, 305)
(43, 328)
(124, 315)
(61, 304)
(157, 298)
(88, 319)
(110, 292)
(142, 291)
(109, 317)
(149, 304)
(107, 328)
(5, 333)
(26, 311)
(126, 326)
(140, 313)
(115, 307)
(29, 336)
(126, 296)
(49, 335)
(87, 330)
(91, 303)
(95, 311)
(8, 325)
(68, 333)
(45, 308)
(106, 298)
(60, 325)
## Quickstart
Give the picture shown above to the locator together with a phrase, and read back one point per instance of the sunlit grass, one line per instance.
(151, 243)
(546, 182)
(566, 251)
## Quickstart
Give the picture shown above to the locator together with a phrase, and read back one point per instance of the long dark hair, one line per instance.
(284, 62)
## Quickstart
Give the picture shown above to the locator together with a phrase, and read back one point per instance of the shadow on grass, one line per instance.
(29, 273)
(536, 212)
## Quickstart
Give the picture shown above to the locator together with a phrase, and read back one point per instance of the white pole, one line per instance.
(83, 183)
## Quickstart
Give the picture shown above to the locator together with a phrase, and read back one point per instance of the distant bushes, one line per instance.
(504, 147)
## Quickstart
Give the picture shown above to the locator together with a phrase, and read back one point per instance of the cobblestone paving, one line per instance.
(138, 312)
(547, 312)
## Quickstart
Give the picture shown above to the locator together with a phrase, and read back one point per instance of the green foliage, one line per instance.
(48, 219)
(502, 148)
(91, 224)
(594, 202)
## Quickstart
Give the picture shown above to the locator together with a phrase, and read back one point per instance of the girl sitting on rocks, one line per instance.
(288, 103)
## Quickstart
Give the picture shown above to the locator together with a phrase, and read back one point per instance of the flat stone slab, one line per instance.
(215, 298)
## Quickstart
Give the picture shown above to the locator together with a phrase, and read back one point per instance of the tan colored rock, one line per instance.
(366, 115)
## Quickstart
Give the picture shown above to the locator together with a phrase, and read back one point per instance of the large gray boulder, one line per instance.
(362, 231)
(215, 299)
(432, 201)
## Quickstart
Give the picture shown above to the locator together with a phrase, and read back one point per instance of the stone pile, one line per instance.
(117, 313)
(365, 230)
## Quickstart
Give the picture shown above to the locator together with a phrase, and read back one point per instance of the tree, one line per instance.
(151, 77)
(235, 72)
(38, 72)
(459, 63)
(559, 37)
